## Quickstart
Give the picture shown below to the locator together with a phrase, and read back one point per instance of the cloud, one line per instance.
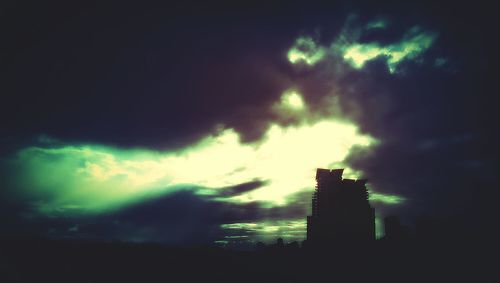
(377, 24)
(412, 45)
(266, 183)
(385, 79)
(347, 45)
(240, 188)
(306, 50)
(91, 178)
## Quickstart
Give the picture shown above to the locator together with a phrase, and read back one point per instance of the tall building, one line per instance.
(341, 211)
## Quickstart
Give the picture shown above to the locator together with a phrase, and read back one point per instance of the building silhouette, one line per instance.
(341, 211)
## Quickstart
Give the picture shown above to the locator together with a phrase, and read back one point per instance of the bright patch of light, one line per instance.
(358, 54)
(291, 106)
(410, 47)
(93, 178)
(306, 50)
(293, 100)
(413, 43)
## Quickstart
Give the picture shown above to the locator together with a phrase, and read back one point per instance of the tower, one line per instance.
(341, 211)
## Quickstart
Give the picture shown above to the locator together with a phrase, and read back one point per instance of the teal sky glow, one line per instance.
(355, 53)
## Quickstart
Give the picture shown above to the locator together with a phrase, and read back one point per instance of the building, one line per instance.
(341, 211)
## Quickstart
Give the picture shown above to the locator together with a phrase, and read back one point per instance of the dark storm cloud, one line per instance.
(138, 76)
(145, 76)
(241, 188)
(297, 207)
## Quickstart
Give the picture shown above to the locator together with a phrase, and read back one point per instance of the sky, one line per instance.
(204, 123)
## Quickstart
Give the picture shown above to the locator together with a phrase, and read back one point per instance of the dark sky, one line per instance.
(160, 78)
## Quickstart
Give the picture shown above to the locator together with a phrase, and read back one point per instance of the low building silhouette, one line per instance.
(341, 211)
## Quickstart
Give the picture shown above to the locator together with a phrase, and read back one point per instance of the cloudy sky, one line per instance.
(204, 123)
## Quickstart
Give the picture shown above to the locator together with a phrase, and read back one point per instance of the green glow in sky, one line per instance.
(358, 54)
(377, 24)
(87, 179)
(95, 178)
(414, 43)
(306, 50)
(387, 199)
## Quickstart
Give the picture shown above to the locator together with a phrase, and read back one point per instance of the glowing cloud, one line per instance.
(94, 178)
(413, 43)
(306, 50)
(292, 100)
(387, 199)
(291, 106)
(358, 54)
(377, 24)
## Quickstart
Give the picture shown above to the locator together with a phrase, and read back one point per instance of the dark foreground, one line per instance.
(62, 261)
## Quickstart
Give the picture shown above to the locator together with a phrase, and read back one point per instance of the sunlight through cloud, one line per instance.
(92, 178)
(97, 178)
